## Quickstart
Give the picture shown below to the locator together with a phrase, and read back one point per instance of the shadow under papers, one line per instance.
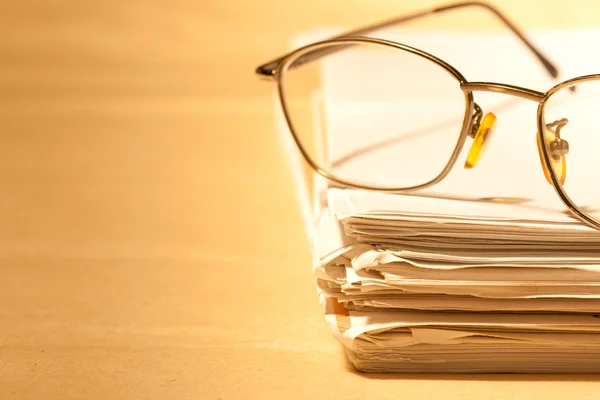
(504, 377)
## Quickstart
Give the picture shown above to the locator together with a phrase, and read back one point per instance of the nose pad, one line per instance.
(557, 148)
(481, 140)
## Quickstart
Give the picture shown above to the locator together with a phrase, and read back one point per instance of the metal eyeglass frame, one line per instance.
(275, 70)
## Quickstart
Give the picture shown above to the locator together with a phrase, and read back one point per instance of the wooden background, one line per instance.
(150, 244)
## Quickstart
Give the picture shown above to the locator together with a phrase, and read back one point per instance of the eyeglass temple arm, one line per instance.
(270, 69)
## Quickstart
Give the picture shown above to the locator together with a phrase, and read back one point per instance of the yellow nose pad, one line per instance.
(481, 140)
(557, 159)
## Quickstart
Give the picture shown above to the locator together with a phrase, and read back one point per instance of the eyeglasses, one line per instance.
(376, 129)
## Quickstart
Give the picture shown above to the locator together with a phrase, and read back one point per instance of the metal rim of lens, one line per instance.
(560, 190)
(467, 119)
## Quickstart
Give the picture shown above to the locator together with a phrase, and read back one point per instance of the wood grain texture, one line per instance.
(150, 244)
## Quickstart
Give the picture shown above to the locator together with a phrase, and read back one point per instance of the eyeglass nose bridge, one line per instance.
(503, 88)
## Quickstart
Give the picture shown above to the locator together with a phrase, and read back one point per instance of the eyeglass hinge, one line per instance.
(266, 72)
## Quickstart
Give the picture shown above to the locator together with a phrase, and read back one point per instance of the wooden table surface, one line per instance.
(151, 246)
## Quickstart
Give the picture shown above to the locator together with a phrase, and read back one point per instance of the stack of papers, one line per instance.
(414, 283)
(485, 272)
